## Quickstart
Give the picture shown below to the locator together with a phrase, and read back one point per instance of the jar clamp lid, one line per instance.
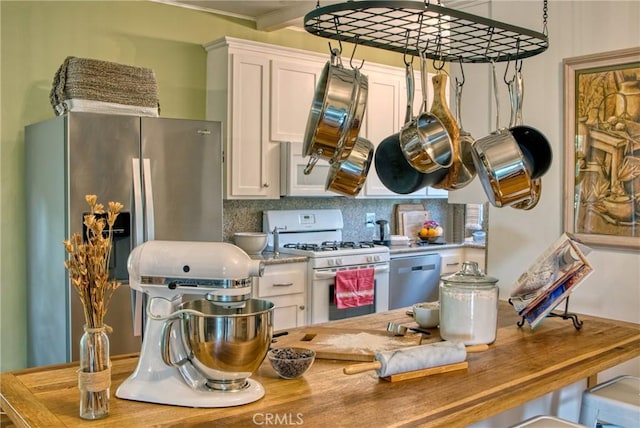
(470, 275)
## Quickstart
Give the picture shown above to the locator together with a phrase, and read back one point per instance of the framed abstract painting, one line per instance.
(602, 148)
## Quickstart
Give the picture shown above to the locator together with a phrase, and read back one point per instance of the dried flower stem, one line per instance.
(88, 261)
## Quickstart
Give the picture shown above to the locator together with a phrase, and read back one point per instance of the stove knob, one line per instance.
(376, 258)
(368, 259)
(330, 262)
(338, 262)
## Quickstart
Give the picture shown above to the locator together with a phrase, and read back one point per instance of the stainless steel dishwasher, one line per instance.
(413, 279)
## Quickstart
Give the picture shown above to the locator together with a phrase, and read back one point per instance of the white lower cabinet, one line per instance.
(476, 255)
(453, 258)
(286, 286)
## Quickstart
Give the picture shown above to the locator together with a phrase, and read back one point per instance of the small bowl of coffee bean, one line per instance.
(291, 363)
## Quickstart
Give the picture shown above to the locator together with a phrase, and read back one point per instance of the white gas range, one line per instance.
(317, 234)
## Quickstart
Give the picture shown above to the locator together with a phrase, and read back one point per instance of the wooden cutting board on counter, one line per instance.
(346, 344)
(402, 208)
(413, 221)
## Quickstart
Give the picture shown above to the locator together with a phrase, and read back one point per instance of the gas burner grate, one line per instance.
(325, 246)
(330, 245)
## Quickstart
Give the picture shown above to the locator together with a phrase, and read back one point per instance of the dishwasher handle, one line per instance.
(421, 268)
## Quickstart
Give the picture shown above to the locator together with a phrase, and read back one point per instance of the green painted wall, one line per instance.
(36, 36)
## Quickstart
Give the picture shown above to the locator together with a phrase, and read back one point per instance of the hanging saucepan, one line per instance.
(349, 175)
(336, 112)
(500, 164)
(425, 141)
(535, 147)
(393, 169)
(516, 96)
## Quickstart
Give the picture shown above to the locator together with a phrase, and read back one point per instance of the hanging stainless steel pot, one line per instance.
(336, 113)
(540, 155)
(349, 175)
(359, 105)
(392, 168)
(425, 141)
(500, 164)
(534, 146)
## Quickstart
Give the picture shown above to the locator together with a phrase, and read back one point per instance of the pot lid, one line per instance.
(470, 275)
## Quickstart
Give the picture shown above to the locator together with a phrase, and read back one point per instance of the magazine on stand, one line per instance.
(551, 278)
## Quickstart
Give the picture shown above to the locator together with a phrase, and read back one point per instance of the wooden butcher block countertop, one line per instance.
(521, 365)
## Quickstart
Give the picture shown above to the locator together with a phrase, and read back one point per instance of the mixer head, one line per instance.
(219, 271)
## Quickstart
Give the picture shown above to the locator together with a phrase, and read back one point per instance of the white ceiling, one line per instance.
(270, 15)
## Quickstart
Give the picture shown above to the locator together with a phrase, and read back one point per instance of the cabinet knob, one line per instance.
(301, 307)
(265, 185)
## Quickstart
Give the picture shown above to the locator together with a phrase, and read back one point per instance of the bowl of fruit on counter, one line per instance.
(431, 231)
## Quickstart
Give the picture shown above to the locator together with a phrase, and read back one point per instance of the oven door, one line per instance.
(323, 307)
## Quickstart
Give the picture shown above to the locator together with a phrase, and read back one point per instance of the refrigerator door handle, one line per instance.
(137, 297)
(148, 200)
(137, 203)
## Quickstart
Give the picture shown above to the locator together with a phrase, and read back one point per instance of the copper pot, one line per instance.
(336, 113)
(425, 141)
(349, 175)
(500, 164)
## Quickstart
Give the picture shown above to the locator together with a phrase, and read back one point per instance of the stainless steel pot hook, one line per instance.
(353, 53)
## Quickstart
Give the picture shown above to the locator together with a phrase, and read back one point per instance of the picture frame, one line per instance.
(602, 148)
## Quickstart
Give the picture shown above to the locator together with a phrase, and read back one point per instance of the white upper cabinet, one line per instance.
(293, 84)
(238, 95)
(262, 94)
(253, 158)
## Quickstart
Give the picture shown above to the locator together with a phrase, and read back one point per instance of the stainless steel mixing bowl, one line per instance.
(226, 344)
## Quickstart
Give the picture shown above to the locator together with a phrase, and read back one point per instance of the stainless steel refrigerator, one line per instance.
(166, 172)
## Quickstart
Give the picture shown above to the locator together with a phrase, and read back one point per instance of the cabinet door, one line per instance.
(254, 160)
(451, 261)
(476, 255)
(285, 285)
(432, 192)
(293, 85)
(289, 312)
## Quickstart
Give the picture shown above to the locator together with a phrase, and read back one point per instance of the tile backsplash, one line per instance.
(246, 215)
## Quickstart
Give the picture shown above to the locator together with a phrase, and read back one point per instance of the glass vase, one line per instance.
(94, 376)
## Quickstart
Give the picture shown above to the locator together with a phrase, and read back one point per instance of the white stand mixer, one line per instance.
(167, 270)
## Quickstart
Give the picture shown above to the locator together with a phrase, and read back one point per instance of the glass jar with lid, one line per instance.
(469, 306)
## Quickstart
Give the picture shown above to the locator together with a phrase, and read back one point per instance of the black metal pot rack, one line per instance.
(404, 26)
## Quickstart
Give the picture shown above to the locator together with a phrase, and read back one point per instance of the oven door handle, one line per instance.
(328, 274)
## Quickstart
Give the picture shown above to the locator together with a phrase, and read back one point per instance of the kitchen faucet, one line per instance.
(276, 240)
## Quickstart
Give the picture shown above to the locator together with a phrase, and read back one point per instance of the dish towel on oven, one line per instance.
(354, 287)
